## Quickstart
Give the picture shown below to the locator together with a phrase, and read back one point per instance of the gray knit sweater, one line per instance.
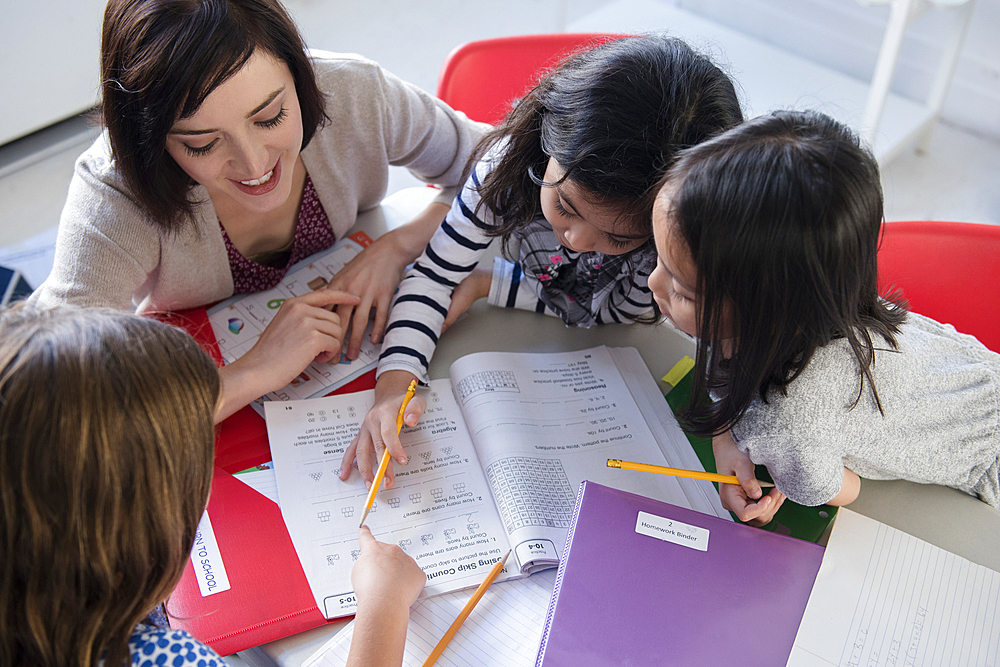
(941, 396)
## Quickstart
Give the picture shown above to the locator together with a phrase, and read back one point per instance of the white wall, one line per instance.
(49, 49)
(50, 52)
(846, 36)
(418, 33)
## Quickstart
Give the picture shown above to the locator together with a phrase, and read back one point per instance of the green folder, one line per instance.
(805, 523)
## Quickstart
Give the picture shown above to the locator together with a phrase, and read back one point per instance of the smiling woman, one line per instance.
(245, 152)
(229, 155)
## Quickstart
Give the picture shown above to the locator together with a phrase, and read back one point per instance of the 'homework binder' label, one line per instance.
(670, 530)
(207, 560)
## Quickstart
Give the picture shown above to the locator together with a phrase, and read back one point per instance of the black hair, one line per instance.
(782, 217)
(614, 117)
(160, 59)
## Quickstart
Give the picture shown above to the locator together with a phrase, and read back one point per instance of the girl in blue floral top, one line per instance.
(106, 450)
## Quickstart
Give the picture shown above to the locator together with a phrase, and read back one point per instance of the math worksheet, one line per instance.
(883, 597)
(439, 510)
(495, 465)
(238, 322)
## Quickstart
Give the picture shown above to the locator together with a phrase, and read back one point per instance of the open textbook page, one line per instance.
(495, 464)
(439, 509)
(883, 597)
(542, 423)
(239, 321)
(502, 631)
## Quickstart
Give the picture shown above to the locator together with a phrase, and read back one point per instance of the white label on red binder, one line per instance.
(207, 560)
(670, 530)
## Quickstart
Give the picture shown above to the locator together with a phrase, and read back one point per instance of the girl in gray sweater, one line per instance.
(767, 238)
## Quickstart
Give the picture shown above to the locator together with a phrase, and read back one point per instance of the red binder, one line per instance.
(268, 597)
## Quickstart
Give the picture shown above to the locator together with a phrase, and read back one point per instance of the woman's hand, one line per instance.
(386, 582)
(304, 329)
(378, 430)
(744, 500)
(375, 272)
(474, 287)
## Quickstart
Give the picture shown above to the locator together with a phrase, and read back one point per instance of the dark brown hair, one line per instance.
(160, 59)
(614, 118)
(782, 217)
(106, 449)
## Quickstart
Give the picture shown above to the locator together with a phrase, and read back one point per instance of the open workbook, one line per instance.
(494, 464)
(239, 321)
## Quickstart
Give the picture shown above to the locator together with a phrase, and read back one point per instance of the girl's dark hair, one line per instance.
(106, 449)
(782, 217)
(614, 117)
(160, 59)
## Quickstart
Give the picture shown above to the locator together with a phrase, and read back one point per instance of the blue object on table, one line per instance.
(13, 286)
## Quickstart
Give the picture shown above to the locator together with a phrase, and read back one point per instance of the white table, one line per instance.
(945, 517)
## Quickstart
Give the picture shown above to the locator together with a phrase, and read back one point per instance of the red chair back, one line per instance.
(949, 271)
(482, 78)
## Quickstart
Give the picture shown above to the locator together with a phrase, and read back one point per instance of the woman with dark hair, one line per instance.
(229, 155)
(768, 239)
(567, 182)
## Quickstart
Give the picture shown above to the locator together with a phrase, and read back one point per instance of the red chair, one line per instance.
(949, 271)
(482, 78)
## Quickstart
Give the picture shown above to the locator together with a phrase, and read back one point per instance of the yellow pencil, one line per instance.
(385, 455)
(469, 606)
(678, 472)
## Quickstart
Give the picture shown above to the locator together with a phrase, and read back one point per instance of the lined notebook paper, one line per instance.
(883, 597)
(502, 631)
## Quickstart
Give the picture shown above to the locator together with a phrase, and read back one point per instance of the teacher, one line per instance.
(229, 155)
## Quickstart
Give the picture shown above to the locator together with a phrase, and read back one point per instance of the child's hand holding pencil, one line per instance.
(384, 464)
(379, 430)
(746, 500)
(386, 582)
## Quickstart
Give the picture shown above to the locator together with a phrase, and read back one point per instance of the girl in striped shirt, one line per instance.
(567, 183)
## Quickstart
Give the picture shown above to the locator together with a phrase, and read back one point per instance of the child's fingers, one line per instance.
(347, 462)
(365, 537)
(324, 298)
(748, 482)
(414, 411)
(365, 457)
(752, 488)
(752, 511)
(390, 442)
(776, 498)
(369, 459)
(733, 498)
(763, 510)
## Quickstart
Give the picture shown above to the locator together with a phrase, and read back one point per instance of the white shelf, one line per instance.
(767, 77)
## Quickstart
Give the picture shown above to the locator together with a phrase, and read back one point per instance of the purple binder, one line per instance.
(625, 598)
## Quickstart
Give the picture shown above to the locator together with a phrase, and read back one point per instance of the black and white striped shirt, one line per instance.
(582, 288)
